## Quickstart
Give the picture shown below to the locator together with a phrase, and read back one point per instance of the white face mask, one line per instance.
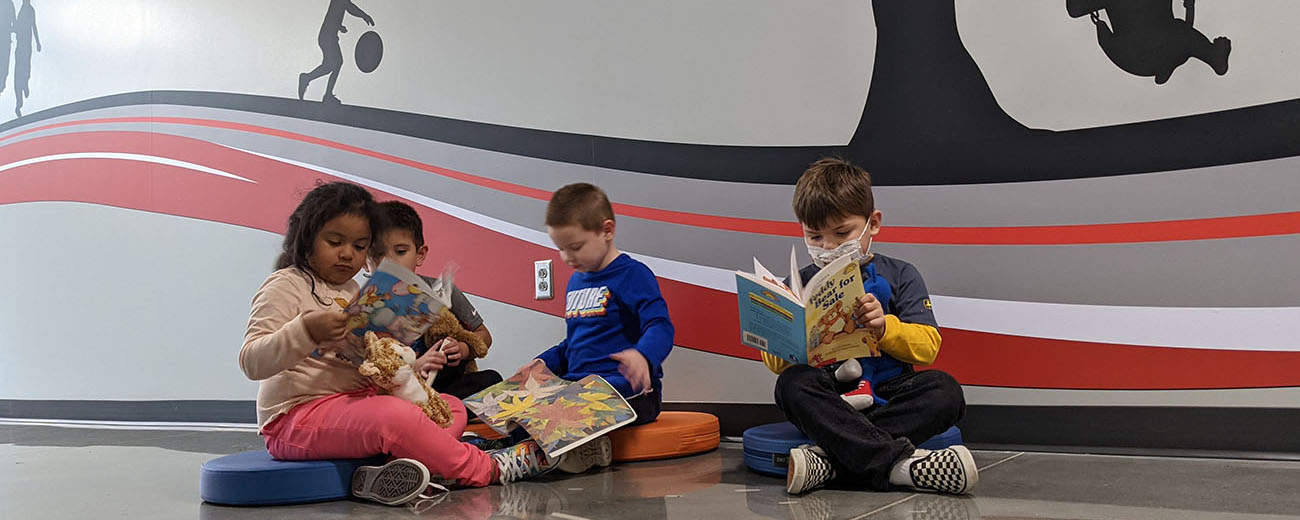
(853, 247)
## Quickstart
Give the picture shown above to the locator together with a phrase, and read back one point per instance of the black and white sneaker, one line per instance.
(598, 452)
(808, 469)
(950, 470)
(395, 483)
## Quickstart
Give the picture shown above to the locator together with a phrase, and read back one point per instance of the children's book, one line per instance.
(808, 324)
(559, 414)
(394, 303)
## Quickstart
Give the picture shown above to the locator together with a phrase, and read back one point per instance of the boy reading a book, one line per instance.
(875, 448)
(402, 240)
(616, 321)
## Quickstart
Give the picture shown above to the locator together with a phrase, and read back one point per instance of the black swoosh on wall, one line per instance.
(930, 119)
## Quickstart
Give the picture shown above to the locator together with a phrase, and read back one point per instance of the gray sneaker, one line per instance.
(599, 452)
(392, 484)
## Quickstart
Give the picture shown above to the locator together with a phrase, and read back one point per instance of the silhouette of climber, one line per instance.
(6, 27)
(1147, 40)
(332, 55)
(25, 28)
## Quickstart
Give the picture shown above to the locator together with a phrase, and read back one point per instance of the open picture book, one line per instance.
(559, 414)
(394, 303)
(804, 324)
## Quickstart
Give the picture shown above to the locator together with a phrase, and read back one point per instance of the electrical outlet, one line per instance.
(543, 280)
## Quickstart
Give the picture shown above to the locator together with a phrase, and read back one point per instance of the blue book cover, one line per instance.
(805, 324)
(770, 320)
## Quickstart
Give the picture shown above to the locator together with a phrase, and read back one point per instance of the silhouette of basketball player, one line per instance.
(25, 28)
(7, 28)
(332, 55)
(1147, 40)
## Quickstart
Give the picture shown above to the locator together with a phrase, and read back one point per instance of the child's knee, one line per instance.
(796, 382)
(948, 391)
(394, 415)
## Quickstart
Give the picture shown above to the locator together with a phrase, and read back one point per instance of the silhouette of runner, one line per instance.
(6, 27)
(25, 28)
(332, 55)
(1147, 40)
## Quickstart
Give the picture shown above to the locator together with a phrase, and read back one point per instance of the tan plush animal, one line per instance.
(390, 365)
(446, 325)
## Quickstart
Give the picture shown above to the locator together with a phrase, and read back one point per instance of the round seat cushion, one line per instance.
(767, 447)
(254, 478)
(673, 434)
(483, 430)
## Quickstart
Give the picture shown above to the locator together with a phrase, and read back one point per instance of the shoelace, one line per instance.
(519, 463)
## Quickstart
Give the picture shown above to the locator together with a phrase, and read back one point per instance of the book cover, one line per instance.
(559, 414)
(808, 324)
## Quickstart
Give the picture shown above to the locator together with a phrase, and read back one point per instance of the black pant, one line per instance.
(455, 381)
(864, 446)
(646, 406)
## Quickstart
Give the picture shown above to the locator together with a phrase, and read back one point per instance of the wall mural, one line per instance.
(1028, 284)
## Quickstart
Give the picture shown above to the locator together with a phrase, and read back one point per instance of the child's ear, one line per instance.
(873, 222)
(420, 254)
(607, 229)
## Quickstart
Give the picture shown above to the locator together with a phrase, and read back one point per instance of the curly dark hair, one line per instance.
(322, 204)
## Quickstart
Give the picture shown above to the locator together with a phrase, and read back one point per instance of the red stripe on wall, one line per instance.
(981, 358)
(1243, 226)
(497, 266)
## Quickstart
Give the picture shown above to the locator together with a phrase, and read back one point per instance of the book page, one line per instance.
(394, 303)
(560, 415)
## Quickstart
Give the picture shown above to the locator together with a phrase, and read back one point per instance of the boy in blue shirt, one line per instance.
(616, 320)
(876, 447)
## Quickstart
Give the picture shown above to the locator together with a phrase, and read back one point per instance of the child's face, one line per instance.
(340, 247)
(837, 231)
(584, 251)
(399, 246)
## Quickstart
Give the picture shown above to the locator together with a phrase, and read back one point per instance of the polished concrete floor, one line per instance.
(58, 472)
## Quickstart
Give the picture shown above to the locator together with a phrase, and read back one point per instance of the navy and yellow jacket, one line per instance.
(911, 332)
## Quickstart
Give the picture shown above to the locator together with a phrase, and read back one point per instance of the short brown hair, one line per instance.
(832, 189)
(579, 204)
(398, 216)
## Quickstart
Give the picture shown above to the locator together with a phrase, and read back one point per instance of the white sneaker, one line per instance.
(395, 483)
(599, 452)
(950, 470)
(808, 469)
(520, 462)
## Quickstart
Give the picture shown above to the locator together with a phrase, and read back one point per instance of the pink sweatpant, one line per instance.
(364, 424)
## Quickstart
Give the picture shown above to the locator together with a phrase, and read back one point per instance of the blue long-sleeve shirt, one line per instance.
(609, 311)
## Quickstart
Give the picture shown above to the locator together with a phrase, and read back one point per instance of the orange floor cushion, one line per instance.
(483, 430)
(673, 434)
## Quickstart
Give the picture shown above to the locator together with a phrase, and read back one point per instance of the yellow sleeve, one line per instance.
(909, 342)
(775, 364)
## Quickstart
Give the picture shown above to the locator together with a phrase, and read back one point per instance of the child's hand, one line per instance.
(325, 325)
(456, 351)
(432, 360)
(529, 368)
(868, 313)
(634, 367)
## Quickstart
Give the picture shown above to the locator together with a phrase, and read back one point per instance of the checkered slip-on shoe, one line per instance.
(807, 469)
(950, 470)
